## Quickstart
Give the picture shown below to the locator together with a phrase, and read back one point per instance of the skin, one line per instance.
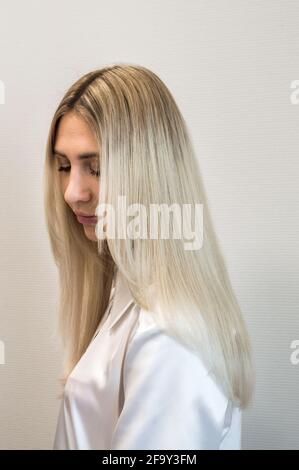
(80, 187)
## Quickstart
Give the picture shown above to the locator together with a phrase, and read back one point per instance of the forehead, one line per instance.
(73, 130)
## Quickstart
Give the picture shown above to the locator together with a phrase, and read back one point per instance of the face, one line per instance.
(76, 155)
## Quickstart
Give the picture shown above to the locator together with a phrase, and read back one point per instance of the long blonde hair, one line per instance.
(146, 154)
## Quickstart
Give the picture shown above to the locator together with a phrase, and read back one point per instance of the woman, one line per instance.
(157, 355)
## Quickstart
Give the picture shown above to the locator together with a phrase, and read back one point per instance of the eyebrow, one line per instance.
(82, 156)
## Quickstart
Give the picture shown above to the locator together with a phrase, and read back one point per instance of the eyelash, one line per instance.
(67, 169)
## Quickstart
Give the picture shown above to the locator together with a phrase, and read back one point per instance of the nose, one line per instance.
(77, 189)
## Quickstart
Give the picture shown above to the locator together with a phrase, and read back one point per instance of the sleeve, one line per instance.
(170, 400)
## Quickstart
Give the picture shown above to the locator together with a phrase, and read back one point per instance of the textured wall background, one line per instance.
(230, 65)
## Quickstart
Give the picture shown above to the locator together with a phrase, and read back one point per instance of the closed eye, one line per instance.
(92, 171)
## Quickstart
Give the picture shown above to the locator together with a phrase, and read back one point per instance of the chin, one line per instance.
(90, 233)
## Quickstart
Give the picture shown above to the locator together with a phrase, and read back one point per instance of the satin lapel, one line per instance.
(122, 299)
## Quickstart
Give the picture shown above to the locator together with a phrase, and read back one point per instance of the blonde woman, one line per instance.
(156, 351)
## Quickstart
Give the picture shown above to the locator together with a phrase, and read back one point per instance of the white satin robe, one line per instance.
(135, 387)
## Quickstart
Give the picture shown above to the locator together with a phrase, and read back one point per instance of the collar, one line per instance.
(122, 299)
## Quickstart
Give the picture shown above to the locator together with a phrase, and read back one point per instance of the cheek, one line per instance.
(63, 184)
(95, 189)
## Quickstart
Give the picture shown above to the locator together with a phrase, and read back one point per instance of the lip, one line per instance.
(86, 219)
(84, 215)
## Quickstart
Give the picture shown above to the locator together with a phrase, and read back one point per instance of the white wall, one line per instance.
(229, 65)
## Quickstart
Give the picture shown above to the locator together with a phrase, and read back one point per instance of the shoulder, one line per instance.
(170, 395)
(149, 336)
(153, 350)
